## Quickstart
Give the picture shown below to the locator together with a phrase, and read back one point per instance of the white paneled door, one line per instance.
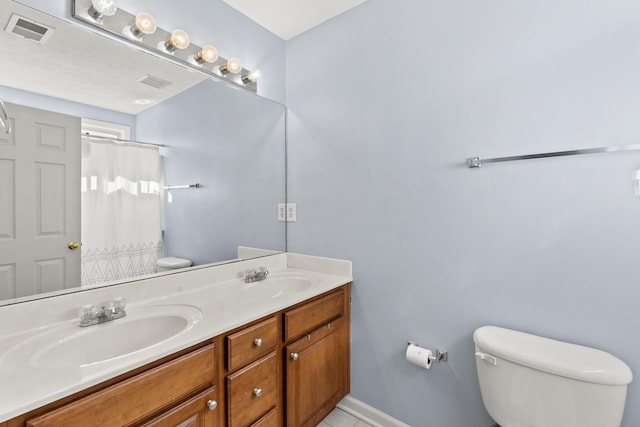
(39, 203)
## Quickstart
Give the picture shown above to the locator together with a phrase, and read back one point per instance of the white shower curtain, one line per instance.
(121, 217)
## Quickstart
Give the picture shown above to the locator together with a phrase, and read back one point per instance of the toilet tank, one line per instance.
(531, 381)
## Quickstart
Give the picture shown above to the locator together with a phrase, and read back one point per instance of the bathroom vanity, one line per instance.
(268, 353)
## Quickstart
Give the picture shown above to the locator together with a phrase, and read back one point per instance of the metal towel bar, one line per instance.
(476, 162)
(178, 187)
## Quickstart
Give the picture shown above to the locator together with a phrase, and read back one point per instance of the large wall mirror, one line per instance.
(125, 204)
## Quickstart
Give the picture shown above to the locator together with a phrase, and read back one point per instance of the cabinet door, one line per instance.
(315, 370)
(199, 411)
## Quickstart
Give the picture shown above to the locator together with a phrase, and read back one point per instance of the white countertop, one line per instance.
(216, 291)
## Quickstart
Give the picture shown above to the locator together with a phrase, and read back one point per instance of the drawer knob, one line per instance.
(294, 356)
(258, 342)
(257, 392)
(212, 404)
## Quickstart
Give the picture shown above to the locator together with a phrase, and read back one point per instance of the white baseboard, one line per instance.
(368, 414)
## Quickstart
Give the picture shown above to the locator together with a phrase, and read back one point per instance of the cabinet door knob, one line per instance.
(294, 356)
(212, 404)
(257, 392)
(258, 342)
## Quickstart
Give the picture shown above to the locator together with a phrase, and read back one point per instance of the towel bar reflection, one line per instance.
(178, 187)
(476, 162)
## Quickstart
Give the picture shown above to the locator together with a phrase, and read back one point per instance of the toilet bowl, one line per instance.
(172, 263)
(531, 381)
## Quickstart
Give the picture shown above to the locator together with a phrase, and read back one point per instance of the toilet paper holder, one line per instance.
(440, 356)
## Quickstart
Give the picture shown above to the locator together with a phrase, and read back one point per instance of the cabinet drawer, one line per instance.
(252, 391)
(138, 397)
(251, 343)
(269, 420)
(195, 412)
(302, 320)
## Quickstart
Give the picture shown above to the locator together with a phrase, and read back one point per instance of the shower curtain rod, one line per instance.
(109, 138)
(476, 162)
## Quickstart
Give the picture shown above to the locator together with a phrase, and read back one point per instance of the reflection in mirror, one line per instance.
(229, 141)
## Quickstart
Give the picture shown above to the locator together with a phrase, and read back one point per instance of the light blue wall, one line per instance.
(385, 104)
(207, 22)
(44, 102)
(231, 142)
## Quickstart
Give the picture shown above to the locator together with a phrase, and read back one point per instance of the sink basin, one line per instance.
(68, 345)
(277, 285)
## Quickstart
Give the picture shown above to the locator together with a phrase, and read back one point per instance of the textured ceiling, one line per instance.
(289, 18)
(79, 65)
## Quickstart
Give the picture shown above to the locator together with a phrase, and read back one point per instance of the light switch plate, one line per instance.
(282, 212)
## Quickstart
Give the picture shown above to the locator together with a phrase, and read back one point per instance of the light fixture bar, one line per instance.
(120, 25)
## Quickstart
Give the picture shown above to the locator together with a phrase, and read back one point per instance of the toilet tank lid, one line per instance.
(555, 357)
(173, 262)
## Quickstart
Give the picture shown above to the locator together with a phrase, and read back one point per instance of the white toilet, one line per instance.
(172, 263)
(531, 381)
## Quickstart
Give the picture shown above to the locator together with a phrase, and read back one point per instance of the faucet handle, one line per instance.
(117, 307)
(249, 275)
(88, 315)
(119, 304)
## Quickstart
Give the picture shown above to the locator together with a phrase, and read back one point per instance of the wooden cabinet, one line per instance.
(287, 369)
(269, 420)
(198, 411)
(131, 401)
(253, 371)
(317, 364)
(251, 343)
(252, 391)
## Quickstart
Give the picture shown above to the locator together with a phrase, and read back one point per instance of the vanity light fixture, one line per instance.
(145, 23)
(143, 31)
(251, 77)
(208, 54)
(101, 8)
(179, 40)
(231, 66)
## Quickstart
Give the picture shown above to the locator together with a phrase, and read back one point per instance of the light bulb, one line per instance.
(232, 66)
(207, 54)
(251, 77)
(101, 8)
(145, 24)
(178, 40)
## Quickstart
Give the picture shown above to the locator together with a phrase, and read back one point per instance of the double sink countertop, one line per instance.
(45, 355)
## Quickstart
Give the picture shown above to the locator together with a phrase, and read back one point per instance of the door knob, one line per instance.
(294, 356)
(257, 392)
(73, 245)
(212, 404)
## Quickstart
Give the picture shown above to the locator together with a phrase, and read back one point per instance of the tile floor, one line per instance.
(338, 418)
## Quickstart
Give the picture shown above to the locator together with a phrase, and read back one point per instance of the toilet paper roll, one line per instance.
(419, 356)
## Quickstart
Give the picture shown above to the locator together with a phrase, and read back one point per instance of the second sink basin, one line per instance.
(277, 285)
(68, 345)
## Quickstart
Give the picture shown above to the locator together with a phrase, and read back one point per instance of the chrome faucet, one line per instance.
(110, 310)
(255, 274)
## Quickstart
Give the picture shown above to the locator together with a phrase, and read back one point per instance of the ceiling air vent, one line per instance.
(29, 29)
(154, 81)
